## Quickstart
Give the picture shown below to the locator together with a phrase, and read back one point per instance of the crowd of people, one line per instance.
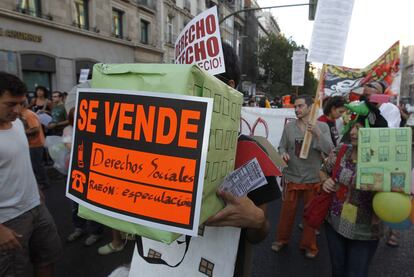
(28, 234)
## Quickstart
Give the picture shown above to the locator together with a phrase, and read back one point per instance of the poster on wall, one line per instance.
(140, 156)
(200, 43)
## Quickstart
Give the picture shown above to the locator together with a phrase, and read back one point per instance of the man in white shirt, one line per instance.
(27, 231)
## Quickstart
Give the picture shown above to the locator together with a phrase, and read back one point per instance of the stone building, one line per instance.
(175, 15)
(48, 42)
(407, 77)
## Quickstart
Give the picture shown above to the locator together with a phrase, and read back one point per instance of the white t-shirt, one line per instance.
(18, 186)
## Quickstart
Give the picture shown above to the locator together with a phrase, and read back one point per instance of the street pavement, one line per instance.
(79, 260)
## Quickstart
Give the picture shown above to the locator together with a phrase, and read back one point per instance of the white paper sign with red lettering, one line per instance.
(199, 43)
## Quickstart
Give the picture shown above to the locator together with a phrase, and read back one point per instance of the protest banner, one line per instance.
(200, 43)
(140, 156)
(327, 46)
(298, 68)
(268, 123)
(330, 31)
(384, 159)
(340, 80)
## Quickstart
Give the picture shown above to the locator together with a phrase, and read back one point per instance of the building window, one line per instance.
(31, 7)
(170, 30)
(206, 267)
(187, 5)
(154, 254)
(144, 31)
(81, 14)
(117, 23)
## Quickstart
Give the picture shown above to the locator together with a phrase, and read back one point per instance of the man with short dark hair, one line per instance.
(27, 231)
(301, 176)
(59, 115)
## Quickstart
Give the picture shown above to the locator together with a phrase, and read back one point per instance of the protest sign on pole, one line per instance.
(330, 31)
(298, 68)
(83, 77)
(328, 41)
(140, 156)
(307, 140)
(343, 81)
(200, 43)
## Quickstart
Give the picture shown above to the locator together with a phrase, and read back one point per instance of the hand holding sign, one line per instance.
(239, 212)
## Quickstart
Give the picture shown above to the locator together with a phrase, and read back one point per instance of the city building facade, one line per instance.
(175, 14)
(407, 77)
(48, 42)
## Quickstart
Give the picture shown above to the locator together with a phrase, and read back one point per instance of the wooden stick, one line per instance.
(307, 140)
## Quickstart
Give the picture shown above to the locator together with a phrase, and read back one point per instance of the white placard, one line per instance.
(330, 31)
(200, 43)
(244, 179)
(83, 77)
(215, 249)
(298, 68)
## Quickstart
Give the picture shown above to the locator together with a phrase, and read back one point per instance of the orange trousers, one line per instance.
(288, 213)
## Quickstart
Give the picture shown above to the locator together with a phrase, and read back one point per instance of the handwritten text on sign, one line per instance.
(199, 43)
(141, 157)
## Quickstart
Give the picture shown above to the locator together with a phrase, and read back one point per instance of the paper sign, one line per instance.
(330, 31)
(244, 179)
(83, 77)
(384, 159)
(200, 43)
(298, 68)
(140, 156)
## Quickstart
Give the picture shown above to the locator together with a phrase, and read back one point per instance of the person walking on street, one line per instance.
(36, 138)
(59, 115)
(28, 234)
(301, 176)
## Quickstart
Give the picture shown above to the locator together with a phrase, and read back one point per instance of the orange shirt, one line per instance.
(31, 120)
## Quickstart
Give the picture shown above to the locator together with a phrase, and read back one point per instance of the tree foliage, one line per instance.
(275, 57)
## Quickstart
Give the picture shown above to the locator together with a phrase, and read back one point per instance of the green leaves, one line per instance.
(275, 57)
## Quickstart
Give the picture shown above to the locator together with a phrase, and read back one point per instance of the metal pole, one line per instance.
(260, 8)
